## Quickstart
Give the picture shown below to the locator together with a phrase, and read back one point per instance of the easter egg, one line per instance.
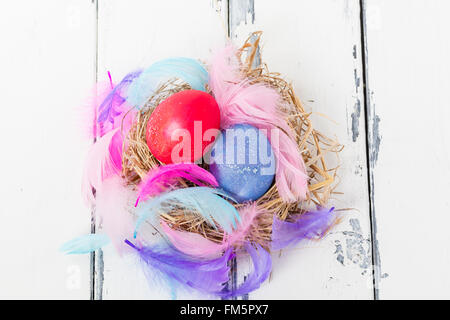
(183, 127)
(243, 162)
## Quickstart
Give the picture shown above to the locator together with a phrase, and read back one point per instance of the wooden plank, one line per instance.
(136, 34)
(47, 64)
(316, 44)
(408, 45)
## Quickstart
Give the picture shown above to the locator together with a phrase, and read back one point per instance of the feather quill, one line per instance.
(104, 160)
(163, 177)
(195, 245)
(85, 244)
(257, 104)
(186, 69)
(262, 266)
(308, 226)
(208, 276)
(204, 201)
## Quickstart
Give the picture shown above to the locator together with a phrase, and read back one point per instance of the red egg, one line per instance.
(183, 127)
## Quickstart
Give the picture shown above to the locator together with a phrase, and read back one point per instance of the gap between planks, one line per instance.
(96, 257)
(369, 118)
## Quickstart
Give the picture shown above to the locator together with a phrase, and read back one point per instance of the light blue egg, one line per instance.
(243, 162)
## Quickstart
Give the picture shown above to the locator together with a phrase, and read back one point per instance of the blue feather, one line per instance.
(202, 200)
(85, 244)
(186, 69)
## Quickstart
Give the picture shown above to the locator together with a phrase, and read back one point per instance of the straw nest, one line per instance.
(137, 159)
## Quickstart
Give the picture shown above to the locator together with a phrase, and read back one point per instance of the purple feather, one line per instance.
(115, 99)
(207, 276)
(262, 266)
(308, 226)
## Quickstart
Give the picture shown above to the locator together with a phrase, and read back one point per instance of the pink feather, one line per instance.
(163, 177)
(104, 160)
(113, 211)
(257, 105)
(195, 245)
(248, 215)
(89, 110)
(191, 243)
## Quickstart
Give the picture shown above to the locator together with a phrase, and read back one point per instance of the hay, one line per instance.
(138, 160)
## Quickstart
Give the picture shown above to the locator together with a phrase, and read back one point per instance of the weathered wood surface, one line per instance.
(380, 75)
(316, 45)
(47, 63)
(408, 49)
(340, 266)
(136, 34)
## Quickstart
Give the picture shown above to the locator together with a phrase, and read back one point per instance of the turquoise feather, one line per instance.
(85, 244)
(186, 69)
(203, 200)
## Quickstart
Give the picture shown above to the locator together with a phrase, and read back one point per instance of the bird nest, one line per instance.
(137, 159)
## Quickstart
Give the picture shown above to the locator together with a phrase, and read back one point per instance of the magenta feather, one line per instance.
(104, 160)
(196, 245)
(257, 104)
(207, 276)
(308, 226)
(163, 177)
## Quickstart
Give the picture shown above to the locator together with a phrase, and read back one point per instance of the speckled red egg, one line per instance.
(183, 127)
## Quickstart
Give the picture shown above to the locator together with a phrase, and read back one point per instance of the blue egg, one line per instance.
(243, 162)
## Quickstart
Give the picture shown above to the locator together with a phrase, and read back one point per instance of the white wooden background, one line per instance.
(379, 68)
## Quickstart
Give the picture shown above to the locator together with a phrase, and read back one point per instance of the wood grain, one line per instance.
(135, 34)
(317, 46)
(47, 64)
(408, 45)
(384, 68)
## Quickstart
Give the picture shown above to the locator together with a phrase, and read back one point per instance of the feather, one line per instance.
(191, 243)
(112, 210)
(162, 177)
(203, 201)
(114, 112)
(195, 245)
(89, 111)
(207, 276)
(186, 69)
(248, 215)
(113, 201)
(262, 266)
(257, 104)
(85, 244)
(308, 226)
(108, 109)
(104, 160)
